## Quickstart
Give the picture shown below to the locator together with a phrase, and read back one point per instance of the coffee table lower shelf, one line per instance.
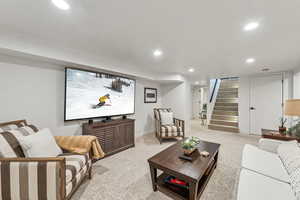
(180, 193)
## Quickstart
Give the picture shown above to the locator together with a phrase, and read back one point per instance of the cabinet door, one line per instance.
(117, 137)
(109, 139)
(128, 134)
(100, 134)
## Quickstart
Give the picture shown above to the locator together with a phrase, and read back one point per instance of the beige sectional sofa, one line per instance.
(263, 175)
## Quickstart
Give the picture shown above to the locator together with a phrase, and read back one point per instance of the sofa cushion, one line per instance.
(41, 144)
(74, 164)
(263, 162)
(254, 186)
(10, 146)
(24, 131)
(158, 111)
(20, 129)
(289, 153)
(8, 127)
(170, 130)
(71, 185)
(166, 118)
(295, 182)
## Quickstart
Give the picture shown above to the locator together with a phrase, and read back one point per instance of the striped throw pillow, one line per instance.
(8, 127)
(295, 182)
(10, 146)
(289, 153)
(9, 143)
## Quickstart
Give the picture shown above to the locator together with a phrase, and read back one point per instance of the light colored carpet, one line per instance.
(125, 176)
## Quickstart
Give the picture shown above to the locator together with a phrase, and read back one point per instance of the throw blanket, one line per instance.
(81, 144)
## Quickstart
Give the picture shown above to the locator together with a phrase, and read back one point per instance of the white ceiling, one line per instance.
(205, 35)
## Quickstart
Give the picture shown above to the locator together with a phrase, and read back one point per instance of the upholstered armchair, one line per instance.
(23, 178)
(174, 130)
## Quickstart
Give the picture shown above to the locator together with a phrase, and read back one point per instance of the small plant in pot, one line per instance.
(189, 145)
(282, 128)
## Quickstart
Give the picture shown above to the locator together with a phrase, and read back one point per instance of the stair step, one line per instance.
(224, 91)
(226, 108)
(236, 80)
(225, 117)
(225, 112)
(227, 95)
(228, 89)
(229, 85)
(224, 123)
(226, 100)
(226, 104)
(224, 128)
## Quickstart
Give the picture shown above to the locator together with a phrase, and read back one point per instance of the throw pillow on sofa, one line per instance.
(41, 144)
(166, 118)
(9, 146)
(289, 153)
(295, 182)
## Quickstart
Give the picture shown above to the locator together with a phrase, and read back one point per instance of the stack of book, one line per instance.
(172, 181)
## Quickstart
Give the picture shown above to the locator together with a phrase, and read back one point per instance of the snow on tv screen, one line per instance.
(93, 94)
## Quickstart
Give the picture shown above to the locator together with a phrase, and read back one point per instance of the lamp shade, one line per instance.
(292, 107)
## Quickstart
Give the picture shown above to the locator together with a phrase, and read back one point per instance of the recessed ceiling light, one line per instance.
(191, 70)
(157, 53)
(61, 4)
(197, 82)
(250, 60)
(251, 26)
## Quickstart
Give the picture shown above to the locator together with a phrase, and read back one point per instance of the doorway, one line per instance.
(199, 101)
(266, 96)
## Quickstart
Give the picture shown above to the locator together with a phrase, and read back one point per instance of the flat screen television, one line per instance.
(91, 95)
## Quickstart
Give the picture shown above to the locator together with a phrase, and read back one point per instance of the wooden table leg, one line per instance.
(153, 172)
(193, 187)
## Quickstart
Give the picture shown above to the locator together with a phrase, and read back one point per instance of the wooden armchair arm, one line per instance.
(45, 159)
(157, 125)
(180, 123)
(34, 174)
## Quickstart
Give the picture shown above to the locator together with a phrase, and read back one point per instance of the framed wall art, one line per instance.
(150, 95)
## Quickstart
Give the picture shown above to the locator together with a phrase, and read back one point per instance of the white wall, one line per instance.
(178, 96)
(296, 88)
(144, 111)
(35, 91)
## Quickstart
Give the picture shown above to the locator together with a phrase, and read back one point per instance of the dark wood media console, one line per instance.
(114, 136)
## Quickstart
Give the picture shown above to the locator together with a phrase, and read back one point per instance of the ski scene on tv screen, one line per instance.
(95, 94)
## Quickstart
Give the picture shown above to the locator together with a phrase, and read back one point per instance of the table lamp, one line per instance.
(292, 108)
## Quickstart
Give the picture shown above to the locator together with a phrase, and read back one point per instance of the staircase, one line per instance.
(225, 116)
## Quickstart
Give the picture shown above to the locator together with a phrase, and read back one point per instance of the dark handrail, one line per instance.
(213, 92)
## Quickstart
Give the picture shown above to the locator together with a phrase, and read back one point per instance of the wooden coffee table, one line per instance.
(196, 173)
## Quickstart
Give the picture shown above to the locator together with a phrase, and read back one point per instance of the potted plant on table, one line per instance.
(294, 130)
(189, 145)
(282, 128)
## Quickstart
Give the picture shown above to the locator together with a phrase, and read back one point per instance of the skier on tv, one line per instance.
(103, 100)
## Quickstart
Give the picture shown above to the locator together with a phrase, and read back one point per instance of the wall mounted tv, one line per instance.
(91, 95)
